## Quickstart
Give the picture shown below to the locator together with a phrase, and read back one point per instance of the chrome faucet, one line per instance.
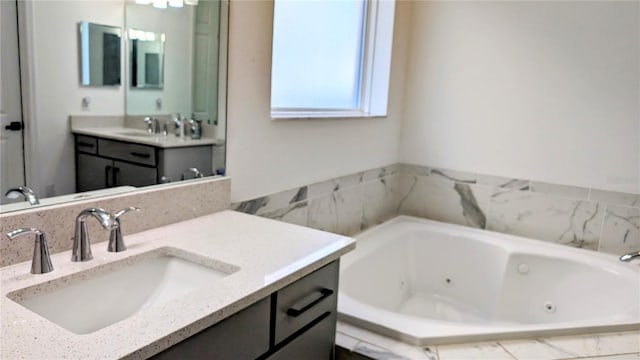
(196, 173)
(153, 125)
(116, 243)
(630, 256)
(81, 244)
(149, 121)
(28, 194)
(41, 263)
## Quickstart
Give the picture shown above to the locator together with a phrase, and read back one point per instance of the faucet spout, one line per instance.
(25, 191)
(630, 256)
(81, 244)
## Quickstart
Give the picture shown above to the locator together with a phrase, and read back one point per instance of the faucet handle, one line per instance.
(116, 242)
(41, 263)
(149, 121)
(630, 256)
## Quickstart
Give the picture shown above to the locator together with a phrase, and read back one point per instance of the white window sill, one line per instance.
(318, 114)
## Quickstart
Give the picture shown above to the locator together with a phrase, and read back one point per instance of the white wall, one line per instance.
(542, 90)
(57, 92)
(266, 156)
(177, 24)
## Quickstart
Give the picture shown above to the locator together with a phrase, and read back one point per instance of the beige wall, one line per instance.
(548, 91)
(266, 156)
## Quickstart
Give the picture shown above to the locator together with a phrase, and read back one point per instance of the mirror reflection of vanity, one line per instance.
(176, 70)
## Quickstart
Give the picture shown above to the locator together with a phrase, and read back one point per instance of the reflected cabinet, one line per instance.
(105, 163)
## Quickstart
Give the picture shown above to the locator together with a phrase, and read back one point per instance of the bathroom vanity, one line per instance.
(275, 297)
(108, 157)
(105, 163)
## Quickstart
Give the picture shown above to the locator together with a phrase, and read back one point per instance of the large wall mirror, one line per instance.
(161, 62)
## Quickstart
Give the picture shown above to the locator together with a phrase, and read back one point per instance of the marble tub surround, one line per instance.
(623, 345)
(575, 216)
(344, 205)
(586, 218)
(161, 205)
(268, 255)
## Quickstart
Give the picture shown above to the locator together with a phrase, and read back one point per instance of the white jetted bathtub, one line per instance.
(426, 282)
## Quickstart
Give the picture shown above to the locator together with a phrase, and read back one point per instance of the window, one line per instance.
(331, 58)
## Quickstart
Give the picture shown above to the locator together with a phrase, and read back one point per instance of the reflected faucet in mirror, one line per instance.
(176, 55)
(25, 191)
(192, 171)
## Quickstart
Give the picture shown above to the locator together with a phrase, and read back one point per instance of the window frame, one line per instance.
(375, 69)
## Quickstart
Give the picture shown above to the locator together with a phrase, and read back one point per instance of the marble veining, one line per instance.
(559, 220)
(621, 345)
(251, 206)
(568, 215)
(470, 208)
(621, 230)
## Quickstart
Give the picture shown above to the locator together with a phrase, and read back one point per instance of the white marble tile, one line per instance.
(613, 357)
(293, 214)
(395, 347)
(378, 199)
(322, 214)
(376, 352)
(453, 175)
(436, 198)
(573, 192)
(621, 230)
(349, 212)
(560, 220)
(504, 182)
(487, 350)
(615, 198)
(574, 346)
(412, 169)
(345, 341)
(379, 173)
(326, 187)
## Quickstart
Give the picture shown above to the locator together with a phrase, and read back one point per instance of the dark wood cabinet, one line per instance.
(104, 163)
(296, 322)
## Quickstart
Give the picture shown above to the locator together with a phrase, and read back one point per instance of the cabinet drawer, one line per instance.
(244, 335)
(305, 300)
(317, 343)
(136, 153)
(86, 144)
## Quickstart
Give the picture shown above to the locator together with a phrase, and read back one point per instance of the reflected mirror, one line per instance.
(61, 150)
(100, 47)
(146, 56)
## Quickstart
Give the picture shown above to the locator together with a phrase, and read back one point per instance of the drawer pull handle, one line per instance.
(308, 302)
(85, 144)
(146, 156)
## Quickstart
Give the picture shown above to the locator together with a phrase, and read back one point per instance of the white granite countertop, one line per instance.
(270, 255)
(142, 137)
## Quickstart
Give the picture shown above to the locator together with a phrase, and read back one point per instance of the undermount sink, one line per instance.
(114, 293)
(136, 133)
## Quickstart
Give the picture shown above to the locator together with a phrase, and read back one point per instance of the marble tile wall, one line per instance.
(586, 218)
(345, 205)
(160, 205)
(568, 215)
